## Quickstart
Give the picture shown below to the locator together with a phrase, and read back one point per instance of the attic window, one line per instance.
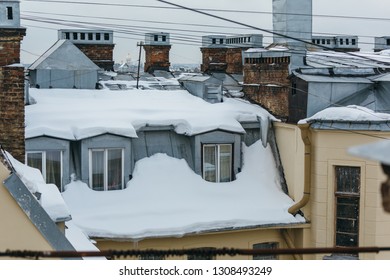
(155, 38)
(10, 14)
(90, 36)
(217, 162)
(341, 41)
(74, 36)
(353, 41)
(347, 41)
(214, 41)
(106, 36)
(82, 36)
(98, 37)
(67, 35)
(49, 163)
(221, 41)
(328, 41)
(164, 38)
(106, 169)
(323, 41)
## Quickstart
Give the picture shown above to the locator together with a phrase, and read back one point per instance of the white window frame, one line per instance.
(105, 150)
(217, 160)
(44, 163)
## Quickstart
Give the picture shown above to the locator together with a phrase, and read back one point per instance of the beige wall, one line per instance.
(243, 239)
(16, 230)
(329, 148)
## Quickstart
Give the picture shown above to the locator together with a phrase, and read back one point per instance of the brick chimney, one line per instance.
(97, 45)
(266, 71)
(225, 53)
(157, 47)
(11, 80)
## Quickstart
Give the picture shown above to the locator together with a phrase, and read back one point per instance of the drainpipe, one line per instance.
(290, 243)
(305, 134)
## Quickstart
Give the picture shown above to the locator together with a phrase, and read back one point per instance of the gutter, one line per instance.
(305, 135)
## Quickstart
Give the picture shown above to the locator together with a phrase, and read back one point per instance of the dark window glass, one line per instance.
(82, 36)
(10, 14)
(98, 37)
(106, 36)
(267, 245)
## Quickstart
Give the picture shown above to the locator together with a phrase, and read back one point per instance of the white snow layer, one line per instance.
(166, 198)
(77, 114)
(349, 113)
(51, 199)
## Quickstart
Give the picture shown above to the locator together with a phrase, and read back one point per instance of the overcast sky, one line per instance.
(367, 19)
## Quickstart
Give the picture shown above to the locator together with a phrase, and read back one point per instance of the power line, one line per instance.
(213, 10)
(265, 30)
(115, 254)
(173, 23)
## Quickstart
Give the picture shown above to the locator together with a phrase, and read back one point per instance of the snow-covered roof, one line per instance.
(166, 198)
(77, 114)
(351, 113)
(50, 197)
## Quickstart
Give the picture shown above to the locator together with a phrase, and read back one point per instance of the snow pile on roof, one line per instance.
(166, 198)
(80, 241)
(77, 114)
(350, 113)
(51, 199)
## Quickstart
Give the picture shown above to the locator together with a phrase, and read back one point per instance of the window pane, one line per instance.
(267, 245)
(114, 168)
(53, 168)
(348, 179)
(98, 170)
(209, 163)
(225, 162)
(35, 160)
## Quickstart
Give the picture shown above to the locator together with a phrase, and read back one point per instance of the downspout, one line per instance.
(305, 135)
(290, 243)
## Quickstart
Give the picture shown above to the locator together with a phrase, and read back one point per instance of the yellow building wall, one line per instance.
(16, 231)
(329, 148)
(240, 239)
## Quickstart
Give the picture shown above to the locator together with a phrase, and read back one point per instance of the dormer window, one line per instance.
(10, 14)
(217, 162)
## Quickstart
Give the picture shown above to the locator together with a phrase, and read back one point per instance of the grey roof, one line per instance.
(64, 55)
(323, 59)
(37, 214)
(332, 79)
(351, 125)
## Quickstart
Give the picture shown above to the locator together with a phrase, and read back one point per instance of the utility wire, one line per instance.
(213, 10)
(115, 254)
(27, 17)
(263, 30)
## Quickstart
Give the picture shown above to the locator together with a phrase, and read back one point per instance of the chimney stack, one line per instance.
(11, 80)
(157, 47)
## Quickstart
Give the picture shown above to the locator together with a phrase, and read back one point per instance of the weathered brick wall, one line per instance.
(234, 61)
(266, 82)
(213, 59)
(12, 111)
(10, 45)
(101, 55)
(156, 58)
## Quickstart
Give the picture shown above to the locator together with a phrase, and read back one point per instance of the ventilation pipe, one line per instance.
(305, 134)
